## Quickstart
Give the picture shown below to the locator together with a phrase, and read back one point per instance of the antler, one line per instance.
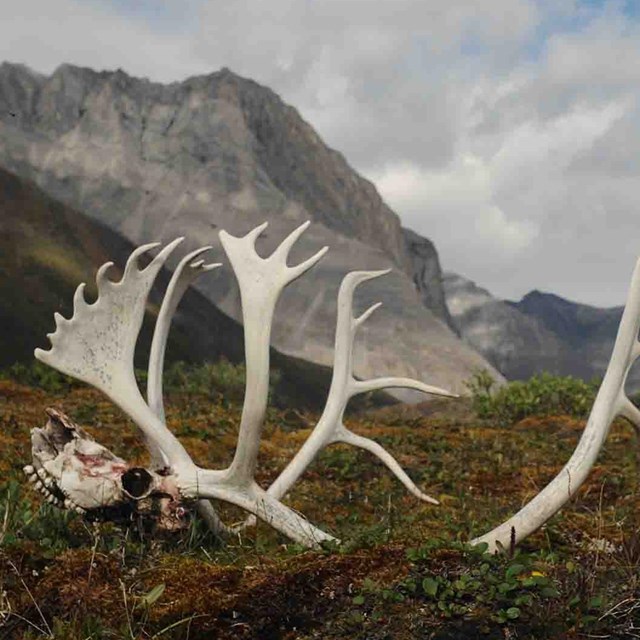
(610, 402)
(97, 345)
(261, 282)
(344, 386)
(183, 277)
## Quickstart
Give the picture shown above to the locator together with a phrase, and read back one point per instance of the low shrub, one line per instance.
(221, 379)
(542, 395)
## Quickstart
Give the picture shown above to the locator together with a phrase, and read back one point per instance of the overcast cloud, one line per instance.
(507, 131)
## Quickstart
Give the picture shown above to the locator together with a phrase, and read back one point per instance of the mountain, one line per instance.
(47, 249)
(154, 161)
(588, 332)
(541, 332)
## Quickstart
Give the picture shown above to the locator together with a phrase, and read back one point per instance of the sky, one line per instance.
(507, 131)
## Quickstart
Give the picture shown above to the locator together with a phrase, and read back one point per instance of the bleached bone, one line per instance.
(75, 472)
(97, 345)
(183, 277)
(261, 281)
(330, 428)
(610, 402)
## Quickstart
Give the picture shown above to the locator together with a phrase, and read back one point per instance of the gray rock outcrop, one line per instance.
(427, 275)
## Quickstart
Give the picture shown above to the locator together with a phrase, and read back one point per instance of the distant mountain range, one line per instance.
(124, 160)
(541, 332)
(153, 161)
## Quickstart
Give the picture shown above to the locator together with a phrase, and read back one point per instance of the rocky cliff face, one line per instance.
(541, 332)
(427, 275)
(156, 161)
(47, 249)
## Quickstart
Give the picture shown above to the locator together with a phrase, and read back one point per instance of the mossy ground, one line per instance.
(402, 570)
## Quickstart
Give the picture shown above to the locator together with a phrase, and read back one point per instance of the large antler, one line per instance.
(97, 346)
(261, 281)
(610, 402)
(186, 273)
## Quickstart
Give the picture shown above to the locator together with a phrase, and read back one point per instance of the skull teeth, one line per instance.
(72, 506)
(44, 483)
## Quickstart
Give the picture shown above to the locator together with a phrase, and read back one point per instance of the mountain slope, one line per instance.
(156, 161)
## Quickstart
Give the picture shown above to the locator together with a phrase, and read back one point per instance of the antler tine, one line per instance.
(282, 252)
(348, 437)
(610, 402)
(344, 386)
(97, 344)
(362, 318)
(184, 275)
(261, 280)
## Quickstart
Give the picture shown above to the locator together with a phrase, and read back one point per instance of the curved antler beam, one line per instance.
(610, 402)
(261, 281)
(185, 274)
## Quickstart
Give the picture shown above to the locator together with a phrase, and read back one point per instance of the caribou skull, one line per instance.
(73, 471)
(97, 344)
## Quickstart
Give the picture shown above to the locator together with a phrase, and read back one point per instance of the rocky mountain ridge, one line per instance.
(541, 332)
(215, 152)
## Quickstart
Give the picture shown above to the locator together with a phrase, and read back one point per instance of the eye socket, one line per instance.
(137, 482)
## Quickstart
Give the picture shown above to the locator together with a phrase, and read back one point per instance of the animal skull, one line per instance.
(73, 471)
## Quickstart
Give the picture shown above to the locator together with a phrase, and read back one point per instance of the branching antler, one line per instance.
(97, 345)
(330, 428)
(261, 282)
(610, 402)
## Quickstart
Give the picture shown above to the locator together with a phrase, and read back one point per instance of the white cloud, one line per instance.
(46, 33)
(508, 131)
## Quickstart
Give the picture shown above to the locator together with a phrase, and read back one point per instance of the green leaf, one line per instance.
(513, 613)
(549, 592)
(430, 587)
(514, 570)
(358, 600)
(481, 547)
